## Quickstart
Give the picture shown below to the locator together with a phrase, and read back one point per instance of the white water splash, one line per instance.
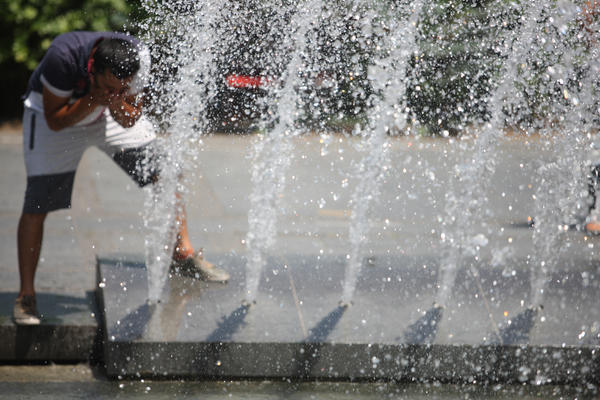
(191, 36)
(388, 78)
(272, 151)
(561, 195)
(466, 200)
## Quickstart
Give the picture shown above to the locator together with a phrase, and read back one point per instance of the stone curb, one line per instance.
(161, 340)
(330, 361)
(52, 341)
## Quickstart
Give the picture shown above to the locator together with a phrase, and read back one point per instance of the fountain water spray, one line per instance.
(388, 78)
(463, 238)
(561, 196)
(190, 32)
(272, 151)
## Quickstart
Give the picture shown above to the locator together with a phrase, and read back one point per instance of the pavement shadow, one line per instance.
(52, 306)
(323, 329)
(125, 260)
(311, 350)
(517, 331)
(229, 325)
(133, 325)
(424, 330)
(522, 224)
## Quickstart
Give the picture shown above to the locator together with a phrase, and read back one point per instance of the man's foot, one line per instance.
(196, 266)
(593, 227)
(25, 311)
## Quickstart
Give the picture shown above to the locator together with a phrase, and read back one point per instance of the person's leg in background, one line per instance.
(132, 149)
(593, 224)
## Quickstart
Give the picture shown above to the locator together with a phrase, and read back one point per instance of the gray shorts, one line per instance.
(52, 157)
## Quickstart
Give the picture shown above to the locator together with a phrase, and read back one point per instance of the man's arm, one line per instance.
(126, 110)
(588, 16)
(60, 114)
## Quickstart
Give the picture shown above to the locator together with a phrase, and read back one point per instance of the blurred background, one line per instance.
(449, 79)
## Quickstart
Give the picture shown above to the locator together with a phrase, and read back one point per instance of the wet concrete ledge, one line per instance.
(43, 343)
(297, 330)
(70, 330)
(330, 361)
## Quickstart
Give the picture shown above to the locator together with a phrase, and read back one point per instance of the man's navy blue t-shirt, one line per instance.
(64, 68)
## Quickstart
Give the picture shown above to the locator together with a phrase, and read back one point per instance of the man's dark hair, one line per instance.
(119, 56)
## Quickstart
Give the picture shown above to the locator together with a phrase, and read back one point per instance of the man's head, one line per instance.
(118, 56)
(115, 62)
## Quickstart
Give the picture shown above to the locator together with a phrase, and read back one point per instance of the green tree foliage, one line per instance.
(27, 28)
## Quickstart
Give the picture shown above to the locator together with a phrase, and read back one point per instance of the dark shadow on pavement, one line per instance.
(52, 306)
(311, 351)
(517, 330)
(521, 225)
(424, 330)
(229, 325)
(133, 325)
(129, 261)
(322, 330)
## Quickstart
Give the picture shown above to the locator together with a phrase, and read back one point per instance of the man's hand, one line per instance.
(587, 20)
(110, 91)
(61, 113)
(105, 90)
(125, 109)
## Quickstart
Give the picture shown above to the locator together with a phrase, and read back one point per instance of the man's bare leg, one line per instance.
(29, 245)
(593, 227)
(188, 259)
(183, 245)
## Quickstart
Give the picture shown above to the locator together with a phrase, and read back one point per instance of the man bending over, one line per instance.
(86, 91)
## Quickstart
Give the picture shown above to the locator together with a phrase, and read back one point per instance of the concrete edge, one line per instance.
(50, 342)
(73, 334)
(444, 363)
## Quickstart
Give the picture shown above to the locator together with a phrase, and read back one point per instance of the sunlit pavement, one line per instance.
(106, 216)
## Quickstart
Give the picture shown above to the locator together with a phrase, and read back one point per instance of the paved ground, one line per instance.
(106, 216)
(106, 213)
